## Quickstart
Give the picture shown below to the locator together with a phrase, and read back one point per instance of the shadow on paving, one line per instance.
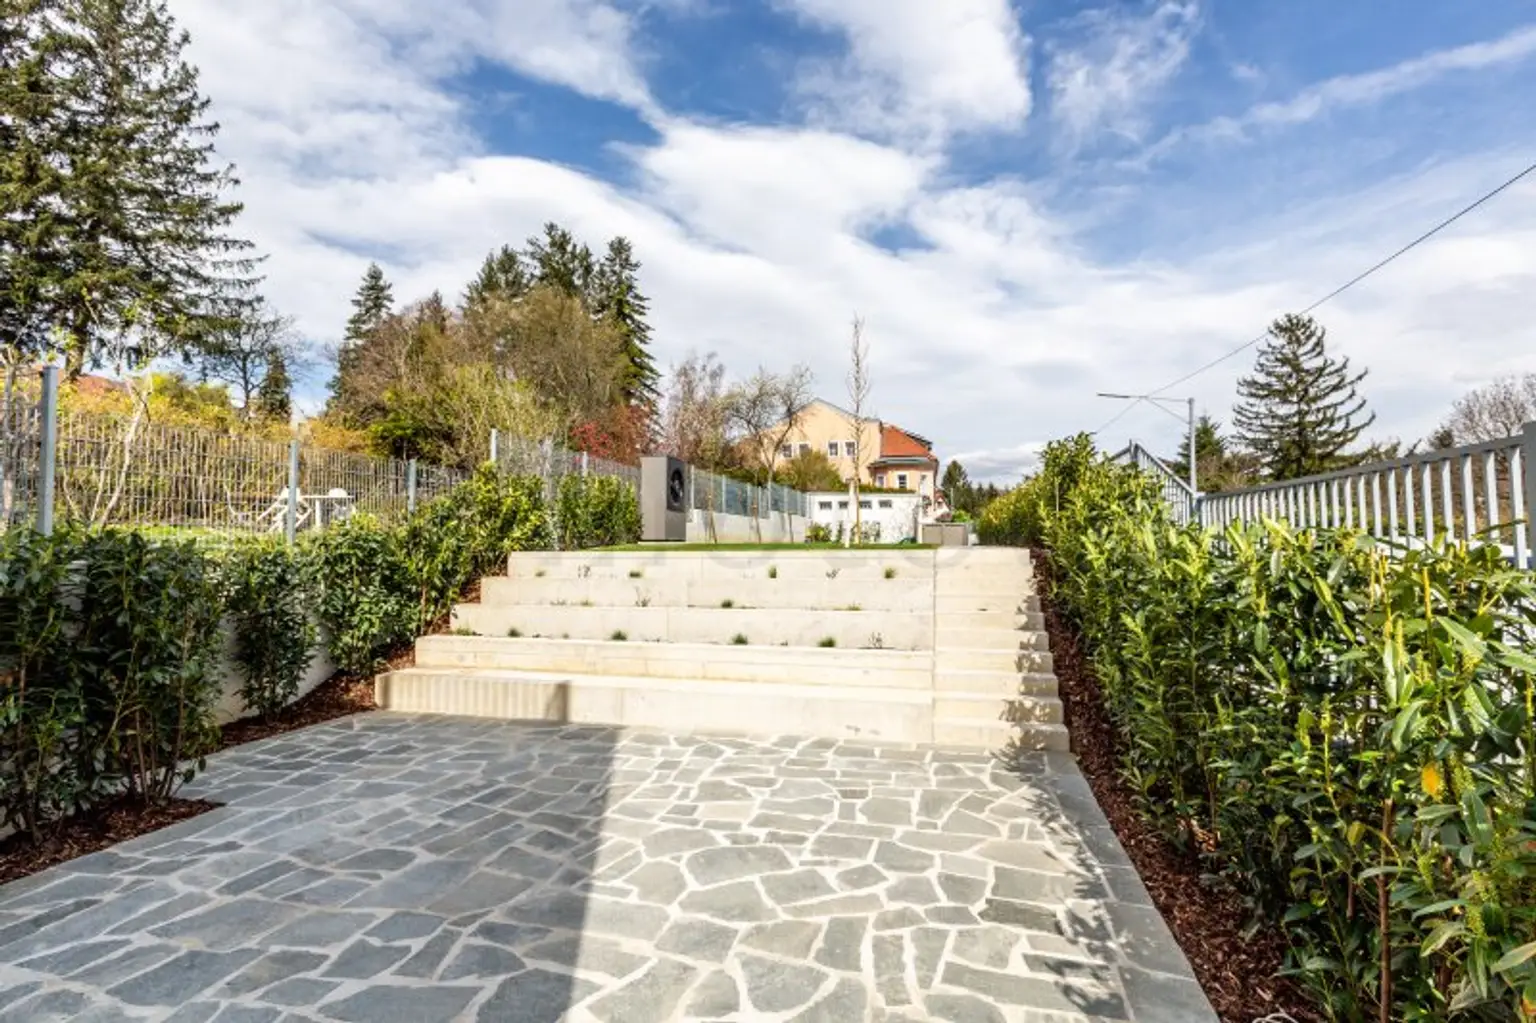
(378, 868)
(421, 869)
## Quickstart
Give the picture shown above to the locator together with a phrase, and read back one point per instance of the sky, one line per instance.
(1027, 202)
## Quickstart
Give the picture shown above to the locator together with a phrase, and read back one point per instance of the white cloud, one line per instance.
(990, 333)
(1357, 90)
(919, 67)
(1106, 82)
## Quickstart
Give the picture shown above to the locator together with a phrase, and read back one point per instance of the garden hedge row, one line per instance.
(110, 641)
(1344, 731)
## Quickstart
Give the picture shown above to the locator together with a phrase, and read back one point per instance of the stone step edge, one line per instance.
(513, 676)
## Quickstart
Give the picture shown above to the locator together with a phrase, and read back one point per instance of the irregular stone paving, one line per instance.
(421, 869)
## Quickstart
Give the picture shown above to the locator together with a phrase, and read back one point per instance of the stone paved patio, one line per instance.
(404, 868)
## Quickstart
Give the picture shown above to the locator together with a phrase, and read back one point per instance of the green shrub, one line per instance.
(596, 511)
(816, 532)
(39, 705)
(1345, 733)
(144, 656)
(268, 602)
(365, 596)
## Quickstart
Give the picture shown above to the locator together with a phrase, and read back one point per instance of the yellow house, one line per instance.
(888, 456)
(827, 428)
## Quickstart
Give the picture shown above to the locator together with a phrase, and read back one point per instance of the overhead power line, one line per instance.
(1336, 292)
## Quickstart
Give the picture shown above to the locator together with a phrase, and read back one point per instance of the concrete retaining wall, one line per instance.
(908, 593)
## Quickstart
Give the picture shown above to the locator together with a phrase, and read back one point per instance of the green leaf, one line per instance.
(1514, 957)
(1442, 933)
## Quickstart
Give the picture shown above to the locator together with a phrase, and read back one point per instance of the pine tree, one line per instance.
(374, 300)
(617, 295)
(133, 259)
(956, 485)
(1300, 409)
(560, 262)
(502, 275)
(274, 398)
(1210, 445)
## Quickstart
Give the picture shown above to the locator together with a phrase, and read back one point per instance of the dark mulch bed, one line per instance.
(1237, 973)
(103, 826)
(106, 825)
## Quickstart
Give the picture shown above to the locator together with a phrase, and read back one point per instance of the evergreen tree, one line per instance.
(559, 261)
(1210, 446)
(274, 398)
(956, 485)
(374, 300)
(1300, 408)
(115, 214)
(502, 275)
(617, 295)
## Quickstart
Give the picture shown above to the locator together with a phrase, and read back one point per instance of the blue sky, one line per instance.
(1026, 202)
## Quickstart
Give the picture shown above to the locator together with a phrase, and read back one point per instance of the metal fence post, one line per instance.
(291, 523)
(1528, 468)
(48, 457)
(495, 446)
(410, 486)
(585, 463)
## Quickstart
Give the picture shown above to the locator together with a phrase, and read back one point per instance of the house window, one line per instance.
(866, 504)
(849, 448)
(804, 448)
(824, 505)
(885, 504)
(787, 450)
(832, 448)
(842, 504)
(901, 481)
(880, 480)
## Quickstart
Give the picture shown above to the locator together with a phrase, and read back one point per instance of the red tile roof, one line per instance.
(898, 443)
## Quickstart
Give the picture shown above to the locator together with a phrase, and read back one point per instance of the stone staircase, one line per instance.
(892, 645)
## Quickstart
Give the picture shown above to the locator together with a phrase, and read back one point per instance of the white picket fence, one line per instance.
(1478, 493)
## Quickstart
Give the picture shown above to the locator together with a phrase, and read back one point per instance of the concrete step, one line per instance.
(991, 638)
(962, 658)
(989, 707)
(854, 630)
(913, 594)
(1000, 683)
(997, 734)
(674, 705)
(951, 603)
(770, 666)
(886, 565)
(991, 587)
(1005, 619)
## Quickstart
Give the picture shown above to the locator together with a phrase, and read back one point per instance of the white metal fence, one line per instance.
(1478, 493)
(1182, 501)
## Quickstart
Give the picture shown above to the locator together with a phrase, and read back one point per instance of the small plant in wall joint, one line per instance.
(541, 573)
(727, 603)
(619, 636)
(642, 601)
(514, 633)
(463, 630)
(890, 573)
(636, 573)
(827, 641)
(833, 572)
(773, 571)
(740, 639)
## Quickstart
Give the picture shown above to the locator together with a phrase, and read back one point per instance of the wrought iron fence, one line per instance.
(20, 448)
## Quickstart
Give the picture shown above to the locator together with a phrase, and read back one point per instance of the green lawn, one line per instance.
(786, 548)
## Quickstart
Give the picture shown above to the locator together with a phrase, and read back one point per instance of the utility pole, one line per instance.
(1161, 403)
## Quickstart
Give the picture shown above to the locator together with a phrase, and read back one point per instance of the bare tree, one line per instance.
(241, 356)
(858, 399)
(1500, 409)
(764, 411)
(693, 420)
(549, 341)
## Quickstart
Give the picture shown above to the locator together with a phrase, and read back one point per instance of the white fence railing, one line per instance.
(1182, 501)
(1478, 493)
